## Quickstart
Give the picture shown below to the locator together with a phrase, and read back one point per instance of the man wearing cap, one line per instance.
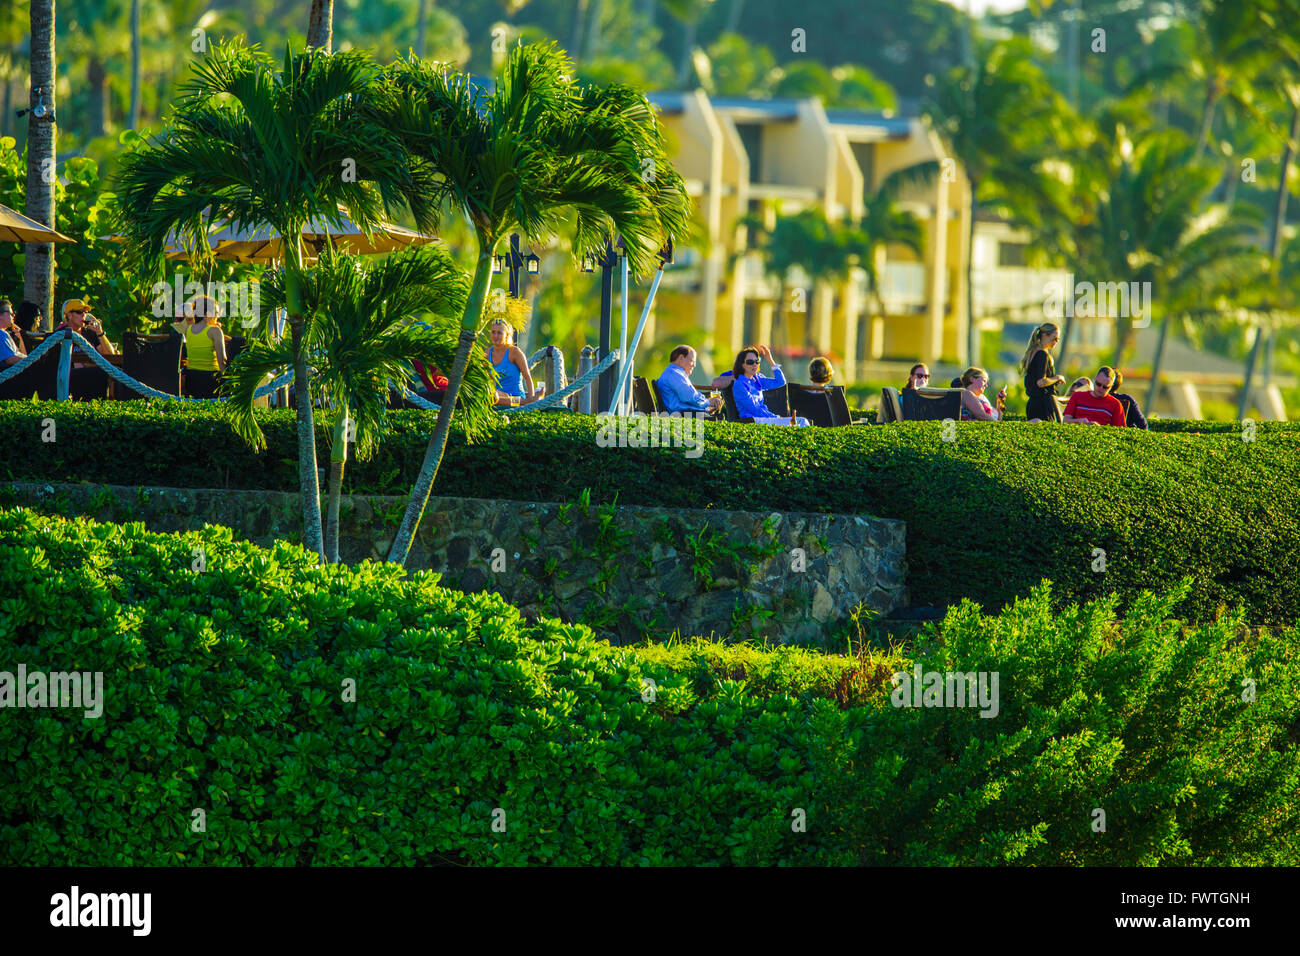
(77, 317)
(85, 383)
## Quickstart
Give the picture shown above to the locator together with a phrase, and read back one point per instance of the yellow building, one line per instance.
(779, 156)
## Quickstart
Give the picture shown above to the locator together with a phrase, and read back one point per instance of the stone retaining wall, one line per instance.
(628, 572)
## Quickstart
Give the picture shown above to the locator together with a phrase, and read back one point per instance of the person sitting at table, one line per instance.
(974, 406)
(747, 387)
(1080, 383)
(11, 344)
(1133, 416)
(1096, 406)
(85, 381)
(205, 346)
(515, 382)
(28, 317)
(917, 377)
(820, 373)
(675, 386)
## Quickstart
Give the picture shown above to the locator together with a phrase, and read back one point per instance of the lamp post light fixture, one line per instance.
(515, 262)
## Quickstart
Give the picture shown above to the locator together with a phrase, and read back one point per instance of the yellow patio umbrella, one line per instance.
(264, 245)
(15, 227)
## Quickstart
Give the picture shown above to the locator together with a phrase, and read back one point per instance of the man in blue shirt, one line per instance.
(675, 386)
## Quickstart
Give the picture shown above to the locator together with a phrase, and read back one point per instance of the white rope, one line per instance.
(536, 406)
(122, 378)
(29, 360)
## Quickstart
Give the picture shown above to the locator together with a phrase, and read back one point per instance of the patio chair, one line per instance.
(931, 404)
(812, 404)
(643, 398)
(40, 379)
(152, 360)
(891, 406)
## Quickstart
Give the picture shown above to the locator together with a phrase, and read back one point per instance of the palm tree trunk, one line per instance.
(593, 30)
(972, 332)
(1066, 326)
(688, 44)
(575, 37)
(38, 268)
(320, 26)
(133, 118)
(1275, 250)
(1207, 121)
(419, 500)
(338, 460)
(421, 26)
(1154, 389)
(308, 477)
(733, 16)
(97, 81)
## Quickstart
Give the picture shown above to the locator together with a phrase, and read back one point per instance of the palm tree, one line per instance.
(320, 25)
(360, 338)
(997, 119)
(518, 158)
(688, 14)
(38, 267)
(882, 225)
(258, 147)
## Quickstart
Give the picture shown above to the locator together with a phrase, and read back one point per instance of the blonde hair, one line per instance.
(970, 373)
(820, 370)
(1046, 330)
(510, 329)
(203, 307)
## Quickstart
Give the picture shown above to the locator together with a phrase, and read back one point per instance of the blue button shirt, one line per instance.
(748, 393)
(678, 393)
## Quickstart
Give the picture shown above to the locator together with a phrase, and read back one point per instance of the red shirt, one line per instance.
(439, 382)
(1104, 411)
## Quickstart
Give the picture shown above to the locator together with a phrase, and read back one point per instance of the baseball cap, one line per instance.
(75, 304)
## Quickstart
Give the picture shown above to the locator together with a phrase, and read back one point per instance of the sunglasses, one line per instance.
(921, 376)
(76, 312)
(751, 361)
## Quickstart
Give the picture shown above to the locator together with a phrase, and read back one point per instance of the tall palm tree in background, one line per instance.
(133, 115)
(883, 225)
(997, 119)
(688, 14)
(360, 337)
(38, 267)
(257, 146)
(320, 25)
(518, 158)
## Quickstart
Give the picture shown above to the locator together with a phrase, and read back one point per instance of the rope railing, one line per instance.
(114, 372)
(536, 406)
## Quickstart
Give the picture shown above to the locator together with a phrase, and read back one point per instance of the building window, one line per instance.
(1011, 255)
(751, 137)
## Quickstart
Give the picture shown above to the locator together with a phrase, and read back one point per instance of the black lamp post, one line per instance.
(607, 261)
(516, 262)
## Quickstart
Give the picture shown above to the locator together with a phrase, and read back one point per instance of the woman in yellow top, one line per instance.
(205, 346)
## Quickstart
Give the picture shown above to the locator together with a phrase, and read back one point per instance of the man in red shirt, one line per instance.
(1095, 406)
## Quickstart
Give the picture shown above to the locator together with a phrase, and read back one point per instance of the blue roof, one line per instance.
(672, 101)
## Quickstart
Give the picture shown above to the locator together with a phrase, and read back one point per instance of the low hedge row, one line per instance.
(989, 514)
(231, 735)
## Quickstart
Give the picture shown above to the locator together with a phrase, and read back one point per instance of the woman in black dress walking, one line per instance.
(1040, 375)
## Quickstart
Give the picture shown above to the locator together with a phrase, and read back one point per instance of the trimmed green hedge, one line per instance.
(226, 691)
(988, 515)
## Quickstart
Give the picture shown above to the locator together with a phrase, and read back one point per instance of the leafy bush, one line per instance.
(988, 515)
(226, 692)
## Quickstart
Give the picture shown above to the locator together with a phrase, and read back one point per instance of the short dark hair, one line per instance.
(680, 352)
(1110, 376)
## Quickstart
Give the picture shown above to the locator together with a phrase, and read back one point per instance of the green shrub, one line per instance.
(225, 692)
(988, 515)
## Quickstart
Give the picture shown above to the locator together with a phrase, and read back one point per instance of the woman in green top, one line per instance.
(205, 345)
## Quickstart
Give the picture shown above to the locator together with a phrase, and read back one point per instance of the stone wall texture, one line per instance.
(629, 572)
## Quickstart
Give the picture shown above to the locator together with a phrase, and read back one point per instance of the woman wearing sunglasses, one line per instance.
(747, 387)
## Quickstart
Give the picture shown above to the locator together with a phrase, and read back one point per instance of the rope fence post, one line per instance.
(586, 361)
(65, 368)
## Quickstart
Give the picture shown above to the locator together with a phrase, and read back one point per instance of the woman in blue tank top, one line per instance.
(516, 383)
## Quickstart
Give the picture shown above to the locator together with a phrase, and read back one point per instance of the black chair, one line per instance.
(152, 360)
(814, 405)
(776, 400)
(658, 395)
(931, 404)
(234, 345)
(840, 414)
(729, 410)
(40, 379)
(643, 399)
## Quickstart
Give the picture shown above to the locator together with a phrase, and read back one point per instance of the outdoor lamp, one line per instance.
(498, 263)
(534, 264)
(588, 264)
